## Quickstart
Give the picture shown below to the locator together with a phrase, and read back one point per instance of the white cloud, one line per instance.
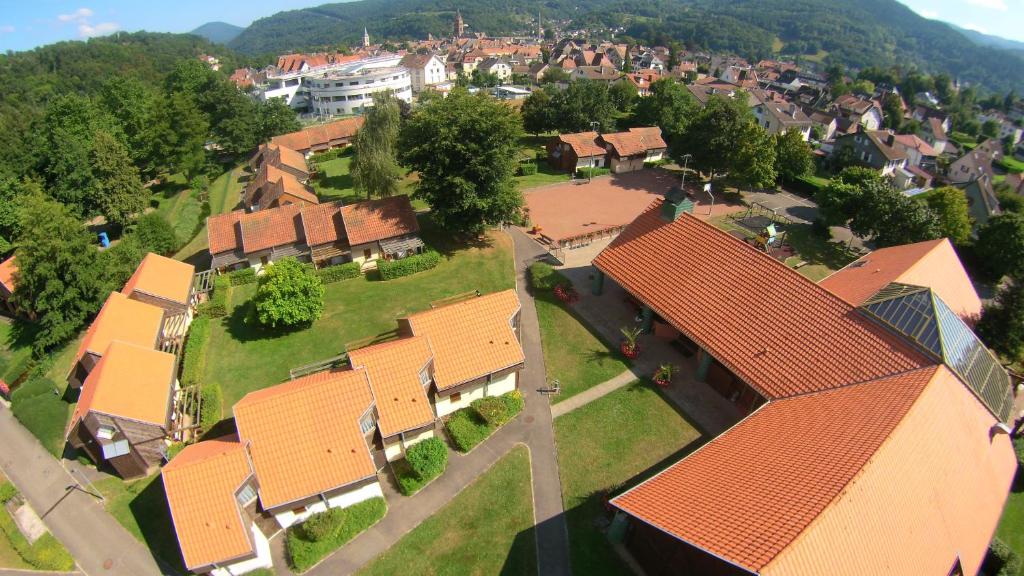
(930, 14)
(77, 16)
(86, 30)
(975, 27)
(991, 4)
(6, 29)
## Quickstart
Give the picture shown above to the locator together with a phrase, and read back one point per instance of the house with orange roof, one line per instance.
(123, 417)
(629, 150)
(476, 348)
(165, 283)
(272, 187)
(325, 234)
(281, 157)
(212, 494)
(570, 152)
(120, 319)
(310, 442)
(8, 269)
(337, 134)
(865, 399)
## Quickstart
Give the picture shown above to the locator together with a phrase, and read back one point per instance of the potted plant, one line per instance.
(663, 377)
(630, 347)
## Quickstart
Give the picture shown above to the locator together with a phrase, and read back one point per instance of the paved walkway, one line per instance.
(99, 544)
(595, 392)
(533, 427)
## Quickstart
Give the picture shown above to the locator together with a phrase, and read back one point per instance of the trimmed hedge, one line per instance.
(194, 358)
(324, 525)
(339, 272)
(467, 427)
(391, 269)
(210, 410)
(592, 172)
(242, 276)
(1018, 447)
(217, 305)
(303, 554)
(498, 410)
(527, 169)
(46, 553)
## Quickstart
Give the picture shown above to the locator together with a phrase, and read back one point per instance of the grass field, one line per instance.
(335, 183)
(224, 193)
(1011, 526)
(15, 349)
(529, 148)
(486, 529)
(141, 507)
(9, 557)
(42, 412)
(606, 445)
(244, 357)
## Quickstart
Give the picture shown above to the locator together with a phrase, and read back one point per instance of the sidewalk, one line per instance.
(98, 543)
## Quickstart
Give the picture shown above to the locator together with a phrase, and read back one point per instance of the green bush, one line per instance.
(210, 408)
(288, 294)
(194, 358)
(7, 492)
(217, 305)
(428, 458)
(1008, 562)
(242, 276)
(303, 553)
(174, 449)
(391, 269)
(492, 409)
(156, 234)
(1018, 446)
(514, 403)
(592, 172)
(527, 169)
(466, 429)
(324, 525)
(339, 272)
(46, 553)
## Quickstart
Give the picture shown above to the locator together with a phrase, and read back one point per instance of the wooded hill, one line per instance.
(857, 34)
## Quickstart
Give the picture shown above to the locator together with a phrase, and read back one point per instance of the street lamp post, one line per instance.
(686, 162)
(590, 173)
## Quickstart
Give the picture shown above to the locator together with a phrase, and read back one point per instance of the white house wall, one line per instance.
(396, 448)
(342, 500)
(263, 558)
(502, 384)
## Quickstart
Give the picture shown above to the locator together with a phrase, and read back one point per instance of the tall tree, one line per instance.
(669, 105)
(119, 191)
(1002, 323)
(890, 218)
(623, 95)
(375, 169)
(724, 138)
(276, 118)
(465, 148)
(130, 103)
(582, 104)
(538, 111)
(179, 130)
(950, 206)
(1000, 244)
(69, 129)
(58, 280)
(892, 111)
(793, 156)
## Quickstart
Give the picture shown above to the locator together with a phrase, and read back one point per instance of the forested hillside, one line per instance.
(219, 32)
(856, 34)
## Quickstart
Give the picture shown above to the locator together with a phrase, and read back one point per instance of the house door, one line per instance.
(367, 253)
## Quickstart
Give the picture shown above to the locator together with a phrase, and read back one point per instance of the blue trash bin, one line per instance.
(104, 240)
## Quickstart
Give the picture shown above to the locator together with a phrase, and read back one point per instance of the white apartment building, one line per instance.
(425, 70)
(340, 88)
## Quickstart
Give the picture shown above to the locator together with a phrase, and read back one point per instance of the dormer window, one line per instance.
(247, 495)
(424, 376)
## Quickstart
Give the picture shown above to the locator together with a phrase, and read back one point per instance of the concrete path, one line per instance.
(533, 427)
(98, 543)
(595, 392)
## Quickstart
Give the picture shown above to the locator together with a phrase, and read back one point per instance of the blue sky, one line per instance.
(26, 24)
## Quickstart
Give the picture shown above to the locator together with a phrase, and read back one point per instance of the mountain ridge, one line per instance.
(218, 32)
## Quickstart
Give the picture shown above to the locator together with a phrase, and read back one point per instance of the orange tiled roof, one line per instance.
(201, 483)
(749, 493)
(315, 136)
(583, 143)
(775, 329)
(223, 232)
(122, 318)
(322, 223)
(394, 369)
(272, 183)
(7, 271)
(272, 227)
(130, 382)
(472, 338)
(933, 264)
(379, 219)
(636, 141)
(304, 435)
(162, 277)
(288, 157)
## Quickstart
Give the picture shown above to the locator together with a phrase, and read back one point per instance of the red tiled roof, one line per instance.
(778, 331)
(583, 143)
(7, 271)
(322, 135)
(269, 228)
(636, 141)
(379, 219)
(223, 232)
(322, 223)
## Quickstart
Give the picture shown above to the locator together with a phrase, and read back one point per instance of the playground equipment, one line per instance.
(769, 227)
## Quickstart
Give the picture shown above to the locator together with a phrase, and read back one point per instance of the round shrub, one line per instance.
(324, 525)
(289, 293)
(428, 458)
(156, 234)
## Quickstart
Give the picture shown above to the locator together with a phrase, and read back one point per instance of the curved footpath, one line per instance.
(98, 543)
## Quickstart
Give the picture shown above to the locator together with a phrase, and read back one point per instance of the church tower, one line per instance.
(459, 25)
(366, 38)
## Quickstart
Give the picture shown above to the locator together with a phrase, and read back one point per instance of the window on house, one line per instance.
(456, 397)
(248, 494)
(424, 377)
(105, 432)
(366, 424)
(115, 449)
(299, 510)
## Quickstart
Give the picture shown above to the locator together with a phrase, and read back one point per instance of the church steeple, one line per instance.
(366, 38)
(459, 25)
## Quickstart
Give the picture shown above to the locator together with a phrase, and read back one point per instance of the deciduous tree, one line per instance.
(1002, 323)
(950, 206)
(120, 194)
(793, 156)
(724, 138)
(538, 110)
(668, 105)
(375, 169)
(288, 293)
(465, 148)
(1000, 244)
(156, 234)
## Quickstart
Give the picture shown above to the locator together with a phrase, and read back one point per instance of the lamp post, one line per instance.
(590, 173)
(686, 162)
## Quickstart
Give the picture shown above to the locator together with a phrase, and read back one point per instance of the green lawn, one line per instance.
(529, 148)
(1011, 527)
(486, 529)
(9, 557)
(607, 445)
(42, 412)
(244, 357)
(15, 349)
(821, 257)
(46, 553)
(1011, 164)
(141, 507)
(224, 193)
(335, 183)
